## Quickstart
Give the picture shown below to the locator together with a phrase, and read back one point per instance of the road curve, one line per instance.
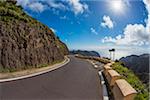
(77, 80)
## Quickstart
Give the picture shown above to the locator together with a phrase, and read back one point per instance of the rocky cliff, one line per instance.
(25, 42)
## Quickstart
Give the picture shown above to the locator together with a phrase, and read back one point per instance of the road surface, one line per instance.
(77, 80)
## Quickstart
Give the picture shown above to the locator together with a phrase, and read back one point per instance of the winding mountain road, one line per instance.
(77, 80)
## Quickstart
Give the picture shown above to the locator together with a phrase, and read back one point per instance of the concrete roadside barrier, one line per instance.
(106, 68)
(112, 77)
(109, 64)
(122, 90)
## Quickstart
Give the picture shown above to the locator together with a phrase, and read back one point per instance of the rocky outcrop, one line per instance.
(25, 42)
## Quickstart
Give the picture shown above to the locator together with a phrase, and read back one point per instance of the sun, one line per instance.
(117, 6)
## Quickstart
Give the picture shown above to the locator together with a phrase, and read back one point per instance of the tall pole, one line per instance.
(114, 55)
(110, 54)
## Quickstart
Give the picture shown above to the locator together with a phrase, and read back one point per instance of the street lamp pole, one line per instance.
(112, 54)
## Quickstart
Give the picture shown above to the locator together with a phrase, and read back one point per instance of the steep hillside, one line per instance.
(139, 64)
(85, 53)
(25, 42)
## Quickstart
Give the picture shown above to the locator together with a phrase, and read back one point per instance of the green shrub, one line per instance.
(5, 70)
(10, 10)
(130, 77)
(42, 65)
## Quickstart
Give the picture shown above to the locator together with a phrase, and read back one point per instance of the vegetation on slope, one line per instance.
(25, 42)
(130, 77)
(139, 64)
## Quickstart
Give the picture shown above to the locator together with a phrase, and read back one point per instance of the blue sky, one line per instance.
(96, 24)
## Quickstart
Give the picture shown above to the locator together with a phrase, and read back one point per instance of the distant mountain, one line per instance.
(139, 65)
(25, 42)
(85, 53)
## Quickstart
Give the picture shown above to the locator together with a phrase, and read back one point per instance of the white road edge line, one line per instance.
(105, 92)
(67, 60)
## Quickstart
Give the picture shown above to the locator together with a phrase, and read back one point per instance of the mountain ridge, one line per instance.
(85, 53)
(139, 65)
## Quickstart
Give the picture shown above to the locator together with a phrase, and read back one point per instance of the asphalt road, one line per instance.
(77, 80)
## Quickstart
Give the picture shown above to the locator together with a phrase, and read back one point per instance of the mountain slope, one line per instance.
(139, 64)
(25, 42)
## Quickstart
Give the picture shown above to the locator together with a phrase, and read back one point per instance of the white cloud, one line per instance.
(50, 3)
(77, 6)
(34, 6)
(53, 4)
(37, 6)
(108, 39)
(40, 5)
(107, 22)
(133, 35)
(23, 3)
(93, 31)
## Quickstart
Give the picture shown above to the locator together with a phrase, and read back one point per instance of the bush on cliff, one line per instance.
(130, 77)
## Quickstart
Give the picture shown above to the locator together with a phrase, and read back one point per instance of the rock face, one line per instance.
(85, 53)
(139, 64)
(25, 42)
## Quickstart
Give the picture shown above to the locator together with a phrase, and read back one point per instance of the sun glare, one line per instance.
(117, 6)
